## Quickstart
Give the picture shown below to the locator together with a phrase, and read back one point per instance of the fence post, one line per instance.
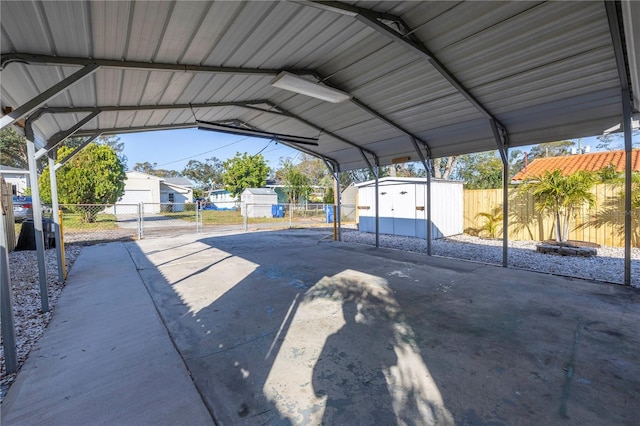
(63, 260)
(290, 215)
(140, 220)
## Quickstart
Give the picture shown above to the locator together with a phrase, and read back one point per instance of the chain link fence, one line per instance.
(84, 223)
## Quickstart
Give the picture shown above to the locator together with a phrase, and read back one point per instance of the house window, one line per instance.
(14, 190)
(171, 197)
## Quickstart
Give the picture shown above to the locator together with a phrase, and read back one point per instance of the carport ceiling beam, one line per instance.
(149, 66)
(79, 148)
(283, 142)
(43, 97)
(205, 125)
(374, 20)
(362, 150)
(135, 129)
(59, 137)
(112, 108)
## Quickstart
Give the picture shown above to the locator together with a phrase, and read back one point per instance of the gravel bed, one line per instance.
(29, 320)
(607, 266)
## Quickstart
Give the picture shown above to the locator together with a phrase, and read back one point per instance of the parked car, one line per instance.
(22, 208)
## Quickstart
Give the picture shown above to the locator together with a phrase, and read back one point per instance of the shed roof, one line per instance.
(391, 180)
(260, 191)
(9, 169)
(449, 76)
(572, 163)
(179, 181)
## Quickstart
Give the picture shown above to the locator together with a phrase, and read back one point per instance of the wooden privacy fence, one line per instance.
(602, 224)
(6, 206)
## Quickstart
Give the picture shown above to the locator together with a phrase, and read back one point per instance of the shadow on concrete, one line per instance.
(288, 328)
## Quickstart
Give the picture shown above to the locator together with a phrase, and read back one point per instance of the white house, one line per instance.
(221, 198)
(403, 209)
(18, 178)
(258, 202)
(156, 193)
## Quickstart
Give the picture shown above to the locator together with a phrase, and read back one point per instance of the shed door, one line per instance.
(385, 206)
(404, 210)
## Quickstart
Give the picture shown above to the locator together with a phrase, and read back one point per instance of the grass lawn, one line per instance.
(75, 221)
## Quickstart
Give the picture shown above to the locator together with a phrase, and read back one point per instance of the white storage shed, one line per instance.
(257, 202)
(403, 207)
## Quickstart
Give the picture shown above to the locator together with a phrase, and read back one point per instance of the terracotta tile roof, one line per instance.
(572, 163)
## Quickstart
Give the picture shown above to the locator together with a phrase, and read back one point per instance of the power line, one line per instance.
(203, 153)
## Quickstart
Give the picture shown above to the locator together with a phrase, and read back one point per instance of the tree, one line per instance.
(492, 221)
(410, 169)
(13, 148)
(561, 196)
(613, 141)
(152, 169)
(551, 149)
(207, 175)
(297, 183)
(94, 176)
(482, 170)
(244, 171)
(444, 167)
(110, 140)
(315, 169)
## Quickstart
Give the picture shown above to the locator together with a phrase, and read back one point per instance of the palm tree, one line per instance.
(492, 221)
(561, 196)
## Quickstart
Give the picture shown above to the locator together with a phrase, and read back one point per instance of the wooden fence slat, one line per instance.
(6, 207)
(603, 224)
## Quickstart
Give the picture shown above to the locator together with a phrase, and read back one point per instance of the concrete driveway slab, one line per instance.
(288, 327)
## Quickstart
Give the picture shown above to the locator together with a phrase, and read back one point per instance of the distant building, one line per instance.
(156, 193)
(222, 198)
(18, 178)
(568, 164)
(258, 202)
(402, 207)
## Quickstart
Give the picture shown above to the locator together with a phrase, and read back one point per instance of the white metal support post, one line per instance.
(56, 217)
(338, 201)
(37, 224)
(501, 140)
(377, 200)
(427, 168)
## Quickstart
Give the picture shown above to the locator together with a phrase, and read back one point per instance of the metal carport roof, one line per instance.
(425, 78)
(439, 73)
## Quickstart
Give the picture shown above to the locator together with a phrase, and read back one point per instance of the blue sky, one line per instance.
(172, 149)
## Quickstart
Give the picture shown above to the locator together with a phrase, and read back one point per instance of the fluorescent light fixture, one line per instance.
(295, 83)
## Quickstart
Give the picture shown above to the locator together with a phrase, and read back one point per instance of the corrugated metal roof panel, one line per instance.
(544, 70)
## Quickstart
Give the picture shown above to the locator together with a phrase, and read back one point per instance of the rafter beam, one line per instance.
(30, 59)
(135, 129)
(61, 136)
(254, 132)
(114, 108)
(79, 148)
(43, 97)
(403, 37)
